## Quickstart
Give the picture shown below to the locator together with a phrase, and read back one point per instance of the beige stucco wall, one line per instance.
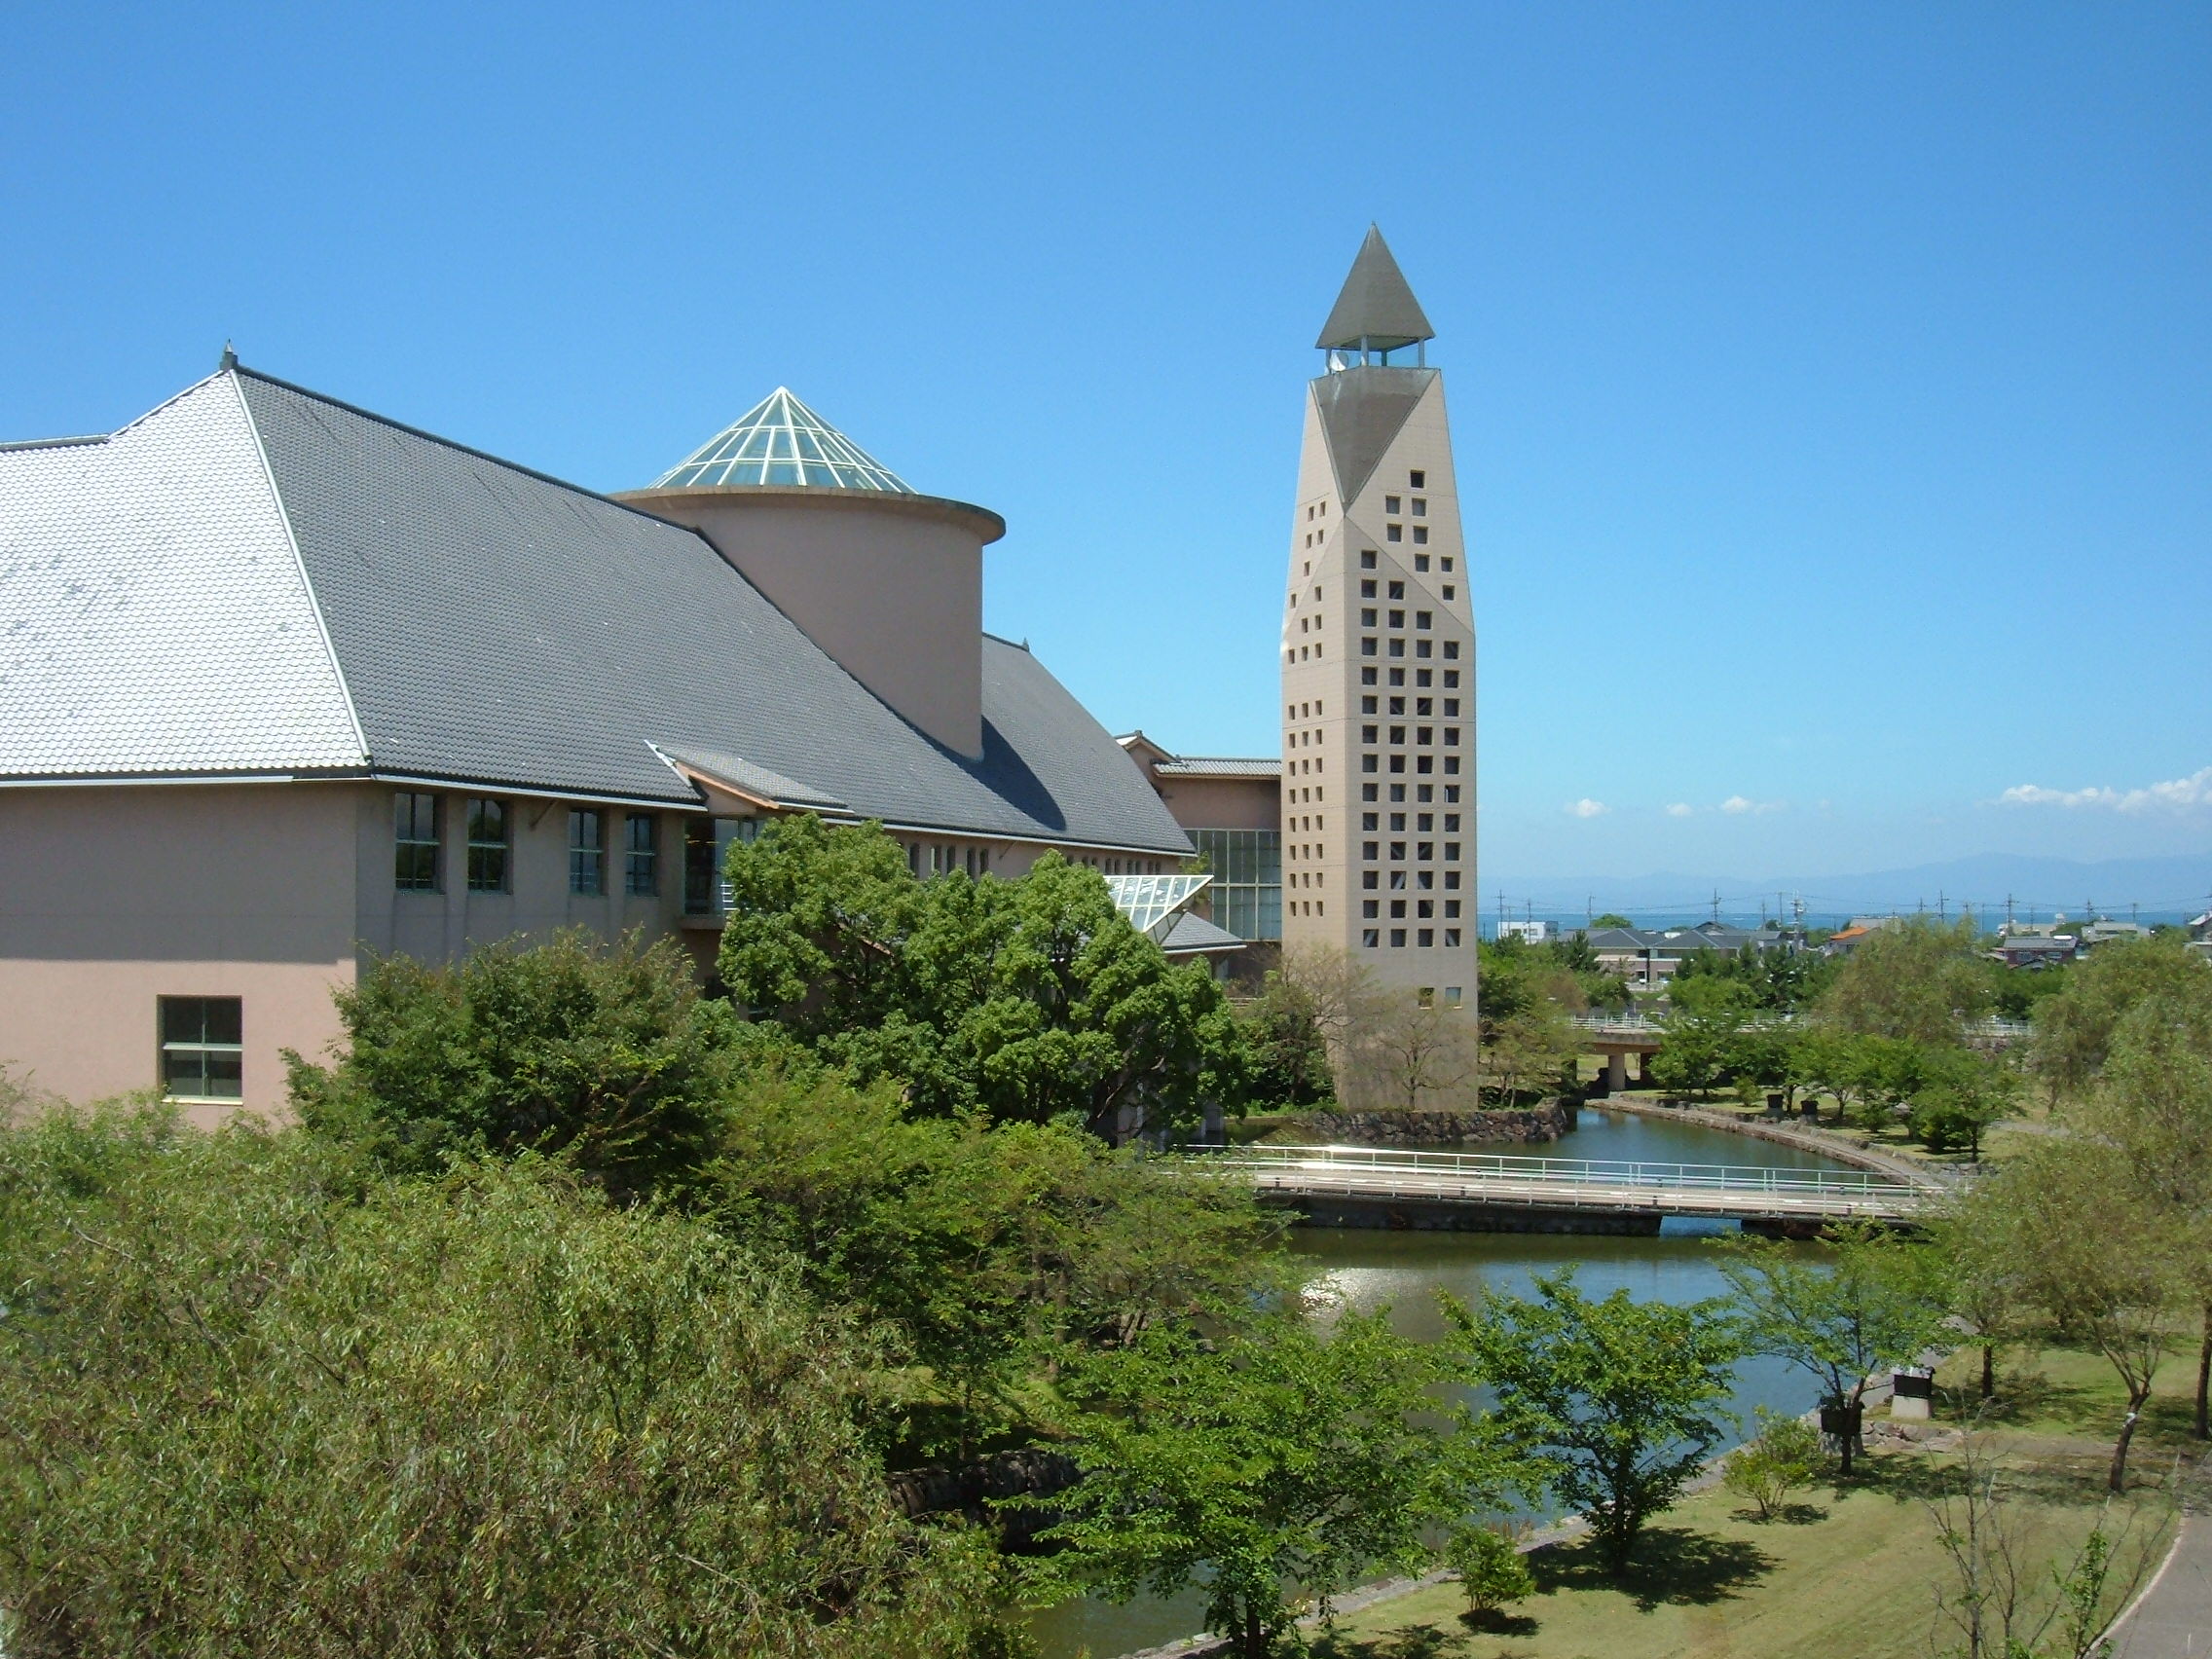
(891, 587)
(114, 896)
(1222, 803)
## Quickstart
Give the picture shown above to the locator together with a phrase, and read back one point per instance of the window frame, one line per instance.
(489, 861)
(406, 806)
(202, 1046)
(587, 852)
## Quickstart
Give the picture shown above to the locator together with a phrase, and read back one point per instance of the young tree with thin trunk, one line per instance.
(1866, 1309)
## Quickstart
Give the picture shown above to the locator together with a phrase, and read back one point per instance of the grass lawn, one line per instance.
(1851, 1573)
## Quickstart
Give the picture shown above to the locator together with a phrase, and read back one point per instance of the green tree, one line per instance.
(603, 1054)
(1611, 1405)
(1703, 1029)
(1916, 981)
(1492, 1571)
(256, 1399)
(1961, 1093)
(1611, 919)
(1249, 1465)
(1867, 1307)
(1033, 998)
(2075, 1028)
(1783, 1457)
(1286, 1036)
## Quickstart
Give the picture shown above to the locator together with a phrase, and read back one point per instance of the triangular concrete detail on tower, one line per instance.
(1377, 309)
(1362, 409)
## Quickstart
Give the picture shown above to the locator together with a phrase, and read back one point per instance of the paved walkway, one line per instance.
(2173, 1617)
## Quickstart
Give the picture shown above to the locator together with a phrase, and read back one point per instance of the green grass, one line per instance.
(1852, 1573)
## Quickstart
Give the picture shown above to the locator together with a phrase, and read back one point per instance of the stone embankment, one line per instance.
(1546, 1121)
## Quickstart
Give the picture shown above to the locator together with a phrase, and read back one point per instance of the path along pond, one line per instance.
(1369, 1269)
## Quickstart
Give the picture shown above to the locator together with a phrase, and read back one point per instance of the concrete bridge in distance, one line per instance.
(1338, 1186)
(1617, 1036)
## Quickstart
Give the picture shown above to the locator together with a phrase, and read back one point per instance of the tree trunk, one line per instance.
(2201, 1425)
(2117, 1482)
(1988, 1370)
(1255, 1641)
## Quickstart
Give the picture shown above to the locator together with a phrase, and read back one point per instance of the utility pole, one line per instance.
(1716, 904)
(1501, 912)
(1942, 908)
(2008, 915)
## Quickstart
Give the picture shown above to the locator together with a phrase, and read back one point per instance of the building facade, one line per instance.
(284, 685)
(1230, 806)
(1378, 656)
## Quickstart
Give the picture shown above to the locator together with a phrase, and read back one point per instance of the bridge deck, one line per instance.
(1385, 1174)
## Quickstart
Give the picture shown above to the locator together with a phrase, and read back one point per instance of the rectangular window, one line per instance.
(1427, 938)
(1450, 678)
(1420, 647)
(1390, 503)
(1367, 617)
(1393, 533)
(1451, 650)
(1367, 674)
(1424, 852)
(1367, 648)
(415, 842)
(1370, 849)
(587, 850)
(1398, 910)
(1397, 852)
(1367, 587)
(1397, 939)
(487, 846)
(1451, 992)
(1370, 938)
(1451, 879)
(1420, 507)
(1367, 763)
(1450, 907)
(1397, 764)
(1417, 478)
(1424, 618)
(202, 1052)
(1452, 938)
(1420, 536)
(1367, 559)
(641, 856)
(1426, 997)
(1398, 650)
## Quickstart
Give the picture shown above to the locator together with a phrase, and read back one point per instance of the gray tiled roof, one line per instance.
(1220, 766)
(1192, 933)
(492, 624)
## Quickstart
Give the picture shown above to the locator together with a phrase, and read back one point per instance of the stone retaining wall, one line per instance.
(1546, 1121)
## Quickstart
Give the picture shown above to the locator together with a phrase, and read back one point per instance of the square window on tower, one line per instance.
(1420, 507)
(1367, 674)
(1390, 503)
(1420, 536)
(1417, 479)
(1367, 559)
(1367, 705)
(1397, 590)
(1393, 533)
(1367, 587)
(1397, 676)
(1420, 562)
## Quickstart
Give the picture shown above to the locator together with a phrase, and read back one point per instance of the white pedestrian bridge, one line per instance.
(1396, 1175)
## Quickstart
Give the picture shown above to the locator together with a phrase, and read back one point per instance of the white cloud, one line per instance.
(1736, 805)
(1681, 809)
(1588, 808)
(2176, 794)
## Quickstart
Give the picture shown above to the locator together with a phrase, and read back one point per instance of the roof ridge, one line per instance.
(452, 444)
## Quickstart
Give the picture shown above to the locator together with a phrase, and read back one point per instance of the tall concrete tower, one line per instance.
(1379, 657)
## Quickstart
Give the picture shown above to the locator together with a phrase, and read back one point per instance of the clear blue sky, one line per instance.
(1831, 386)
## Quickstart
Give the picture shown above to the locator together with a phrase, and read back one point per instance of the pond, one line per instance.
(1404, 1270)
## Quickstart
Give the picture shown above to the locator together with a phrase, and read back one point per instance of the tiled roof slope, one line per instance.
(153, 616)
(496, 624)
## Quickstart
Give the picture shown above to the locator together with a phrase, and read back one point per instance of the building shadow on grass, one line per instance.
(1671, 1565)
(1407, 1642)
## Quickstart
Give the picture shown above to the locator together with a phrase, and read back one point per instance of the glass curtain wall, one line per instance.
(1247, 880)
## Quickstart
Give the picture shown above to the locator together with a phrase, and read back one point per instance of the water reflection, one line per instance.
(1404, 1270)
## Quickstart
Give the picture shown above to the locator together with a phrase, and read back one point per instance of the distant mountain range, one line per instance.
(2158, 890)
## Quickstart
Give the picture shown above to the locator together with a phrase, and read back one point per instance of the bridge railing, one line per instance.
(1639, 1024)
(1564, 1172)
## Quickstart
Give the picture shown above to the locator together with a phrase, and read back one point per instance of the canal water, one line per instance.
(1404, 1270)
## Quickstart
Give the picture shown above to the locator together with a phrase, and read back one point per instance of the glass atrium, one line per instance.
(1151, 901)
(1247, 872)
(780, 440)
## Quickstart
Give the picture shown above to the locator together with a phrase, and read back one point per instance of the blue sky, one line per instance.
(1831, 388)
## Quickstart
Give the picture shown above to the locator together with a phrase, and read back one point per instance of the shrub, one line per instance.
(1785, 1455)
(1490, 1569)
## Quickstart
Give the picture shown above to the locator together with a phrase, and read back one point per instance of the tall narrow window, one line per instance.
(415, 842)
(202, 1054)
(487, 846)
(587, 850)
(640, 854)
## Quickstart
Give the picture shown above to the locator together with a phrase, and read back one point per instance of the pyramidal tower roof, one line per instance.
(1377, 310)
(780, 440)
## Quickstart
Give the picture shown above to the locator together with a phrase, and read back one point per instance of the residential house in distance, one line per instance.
(1529, 931)
(285, 683)
(1648, 957)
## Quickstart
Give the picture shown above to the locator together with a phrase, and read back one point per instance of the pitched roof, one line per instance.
(154, 615)
(780, 440)
(1221, 767)
(485, 623)
(1194, 935)
(1376, 307)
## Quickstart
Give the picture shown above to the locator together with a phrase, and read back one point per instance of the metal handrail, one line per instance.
(1570, 1171)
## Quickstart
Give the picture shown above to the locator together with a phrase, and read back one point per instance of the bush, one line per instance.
(253, 1401)
(1490, 1569)
(1764, 1471)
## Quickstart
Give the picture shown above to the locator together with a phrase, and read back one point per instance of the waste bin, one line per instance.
(1912, 1395)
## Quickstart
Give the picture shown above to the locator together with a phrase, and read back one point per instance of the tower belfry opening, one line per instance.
(1376, 313)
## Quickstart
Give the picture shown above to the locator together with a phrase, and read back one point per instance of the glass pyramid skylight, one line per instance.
(780, 440)
(1151, 901)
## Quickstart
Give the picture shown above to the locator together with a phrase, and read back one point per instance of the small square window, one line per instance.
(1367, 705)
(1369, 821)
(1417, 479)
(1397, 590)
(1424, 821)
(1420, 507)
(1450, 821)
(1397, 676)
(1393, 533)
(1450, 707)
(1397, 791)
(1427, 938)
(1366, 792)
(1445, 564)
(487, 846)
(1425, 909)
(1427, 793)
(1420, 536)
(1367, 559)
(1367, 587)
(1367, 616)
(1451, 992)
(1449, 592)
(1368, 877)
(202, 1048)
(1452, 938)
(1422, 677)
(1367, 849)
(1450, 851)
(1420, 561)
(1450, 792)
(1370, 937)
(1399, 822)
(1367, 677)
(1390, 503)
(1450, 908)
(1369, 909)
(1398, 909)
(1367, 648)
(1397, 852)
(1397, 939)
(1450, 678)
(1397, 619)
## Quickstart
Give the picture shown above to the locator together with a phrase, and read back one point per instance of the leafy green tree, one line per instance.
(1703, 1028)
(1960, 1095)
(1779, 980)
(1611, 1406)
(1287, 1038)
(1869, 1307)
(603, 1054)
(1782, 1458)
(2075, 1028)
(255, 1398)
(1971, 1256)
(1246, 1465)
(1915, 980)
(1492, 1571)
(1611, 919)
(1033, 998)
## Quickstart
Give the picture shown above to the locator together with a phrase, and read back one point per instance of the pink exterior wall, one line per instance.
(117, 895)
(1222, 803)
